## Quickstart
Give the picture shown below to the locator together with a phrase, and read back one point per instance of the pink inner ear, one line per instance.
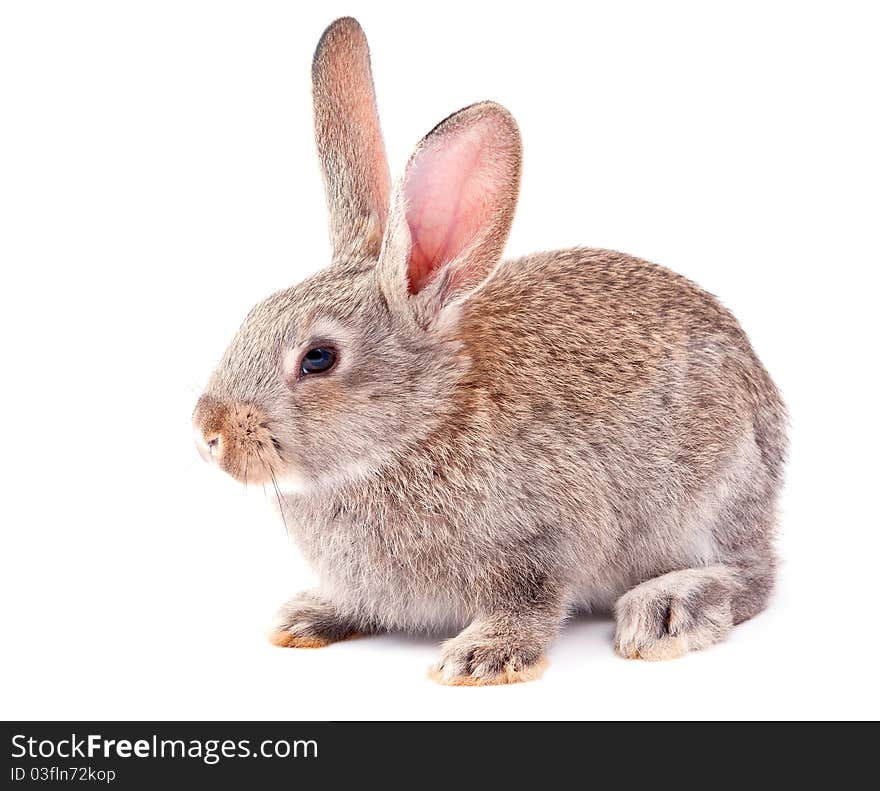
(451, 189)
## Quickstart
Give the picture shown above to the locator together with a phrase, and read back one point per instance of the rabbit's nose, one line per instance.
(208, 444)
(208, 427)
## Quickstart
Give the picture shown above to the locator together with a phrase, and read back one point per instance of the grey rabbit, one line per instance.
(461, 443)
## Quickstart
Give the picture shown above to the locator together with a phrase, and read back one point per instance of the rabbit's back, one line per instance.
(594, 341)
(618, 378)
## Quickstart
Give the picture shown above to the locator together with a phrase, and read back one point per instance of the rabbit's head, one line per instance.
(336, 376)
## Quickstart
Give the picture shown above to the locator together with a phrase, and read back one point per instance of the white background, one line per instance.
(157, 177)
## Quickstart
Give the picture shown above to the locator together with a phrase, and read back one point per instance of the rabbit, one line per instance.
(461, 444)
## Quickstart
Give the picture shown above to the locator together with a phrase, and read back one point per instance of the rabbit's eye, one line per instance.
(318, 360)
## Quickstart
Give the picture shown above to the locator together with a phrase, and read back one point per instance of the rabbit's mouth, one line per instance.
(238, 439)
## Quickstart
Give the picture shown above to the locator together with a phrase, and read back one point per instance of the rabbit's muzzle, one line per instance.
(237, 437)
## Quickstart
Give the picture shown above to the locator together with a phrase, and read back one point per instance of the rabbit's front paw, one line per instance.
(308, 621)
(478, 658)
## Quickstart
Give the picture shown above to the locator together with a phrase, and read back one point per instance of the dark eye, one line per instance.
(318, 360)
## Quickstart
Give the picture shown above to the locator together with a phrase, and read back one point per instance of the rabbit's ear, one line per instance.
(452, 211)
(349, 140)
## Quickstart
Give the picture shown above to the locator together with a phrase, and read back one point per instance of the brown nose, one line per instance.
(208, 423)
(209, 443)
(237, 437)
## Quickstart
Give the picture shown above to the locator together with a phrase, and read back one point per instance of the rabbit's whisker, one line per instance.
(280, 506)
(278, 496)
